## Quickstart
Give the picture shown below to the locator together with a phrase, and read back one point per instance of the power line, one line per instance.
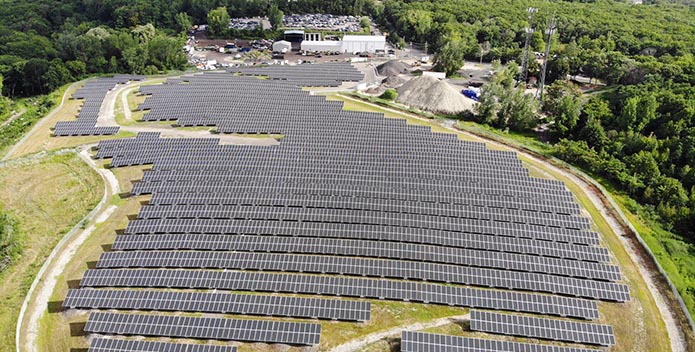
(529, 35)
(550, 31)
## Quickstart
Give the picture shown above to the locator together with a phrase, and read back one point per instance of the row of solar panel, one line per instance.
(406, 270)
(225, 303)
(204, 328)
(438, 238)
(549, 329)
(317, 229)
(492, 206)
(424, 253)
(359, 216)
(415, 341)
(344, 286)
(120, 345)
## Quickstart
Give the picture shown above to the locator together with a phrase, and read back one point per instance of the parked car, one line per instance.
(470, 94)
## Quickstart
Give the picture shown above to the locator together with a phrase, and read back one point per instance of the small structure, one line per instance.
(438, 75)
(363, 43)
(312, 37)
(282, 46)
(294, 36)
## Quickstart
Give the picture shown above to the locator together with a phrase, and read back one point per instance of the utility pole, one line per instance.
(529, 36)
(551, 31)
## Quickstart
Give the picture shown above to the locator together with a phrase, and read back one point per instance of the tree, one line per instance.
(275, 16)
(563, 105)
(505, 106)
(450, 57)
(366, 24)
(218, 21)
(183, 22)
(144, 33)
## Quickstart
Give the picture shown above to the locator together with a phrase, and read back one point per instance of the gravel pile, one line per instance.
(431, 94)
(390, 68)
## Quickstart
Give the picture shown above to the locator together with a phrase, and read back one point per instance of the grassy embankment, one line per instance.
(49, 195)
(637, 323)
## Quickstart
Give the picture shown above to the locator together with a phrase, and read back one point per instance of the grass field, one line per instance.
(49, 195)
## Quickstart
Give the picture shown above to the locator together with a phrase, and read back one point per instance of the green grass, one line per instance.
(49, 196)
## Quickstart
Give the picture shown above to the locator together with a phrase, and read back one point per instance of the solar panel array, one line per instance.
(349, 204)
(307, 75)
(551, 329)
(204, 328)
(93, 93)
(415, 341)
(119, 345)
(211, 302)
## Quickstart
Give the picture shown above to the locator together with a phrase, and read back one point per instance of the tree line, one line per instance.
(47, 43)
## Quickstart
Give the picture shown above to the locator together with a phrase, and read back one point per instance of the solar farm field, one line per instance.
(351, 219)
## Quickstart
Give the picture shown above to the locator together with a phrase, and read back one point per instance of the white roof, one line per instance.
(364, 38)
(282, 42)
(331, 43)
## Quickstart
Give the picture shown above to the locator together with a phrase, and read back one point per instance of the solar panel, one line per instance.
(120, 345)
(219, 303)
(551, 329)
(415, 341)
(205, 328)
(342, 286)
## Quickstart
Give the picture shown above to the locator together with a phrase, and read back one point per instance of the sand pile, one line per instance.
(390, 68)
(394, 81)
(431, 94)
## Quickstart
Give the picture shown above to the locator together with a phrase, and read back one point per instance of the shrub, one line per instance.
(389, 94)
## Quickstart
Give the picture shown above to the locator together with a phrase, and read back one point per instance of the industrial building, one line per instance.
(310, 42)
(364, 43)
(323, 46)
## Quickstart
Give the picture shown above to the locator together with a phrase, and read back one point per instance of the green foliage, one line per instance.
(218, 21)
(450, 57)
(389, 94)
(275, 16)
(563, 106)
(503, 105)
(10, 240)
(183, 22)
(366, 24)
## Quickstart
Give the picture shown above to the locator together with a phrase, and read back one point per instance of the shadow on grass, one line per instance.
(55, 307)
(77, 329)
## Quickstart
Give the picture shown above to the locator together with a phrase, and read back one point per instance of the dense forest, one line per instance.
(46, 43)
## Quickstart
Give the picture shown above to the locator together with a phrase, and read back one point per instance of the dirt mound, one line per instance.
(390, 68)
(431, 94)
(394, 81)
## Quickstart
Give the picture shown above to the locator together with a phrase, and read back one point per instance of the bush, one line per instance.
(389, 94)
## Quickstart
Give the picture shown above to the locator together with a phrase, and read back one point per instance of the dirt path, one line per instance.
(13, 117)
(364, 341)
(46, 280)
(603, 202)
(42, 121)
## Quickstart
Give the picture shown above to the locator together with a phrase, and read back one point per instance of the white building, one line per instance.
(282, 46)
(322, 46)
(363, 43)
